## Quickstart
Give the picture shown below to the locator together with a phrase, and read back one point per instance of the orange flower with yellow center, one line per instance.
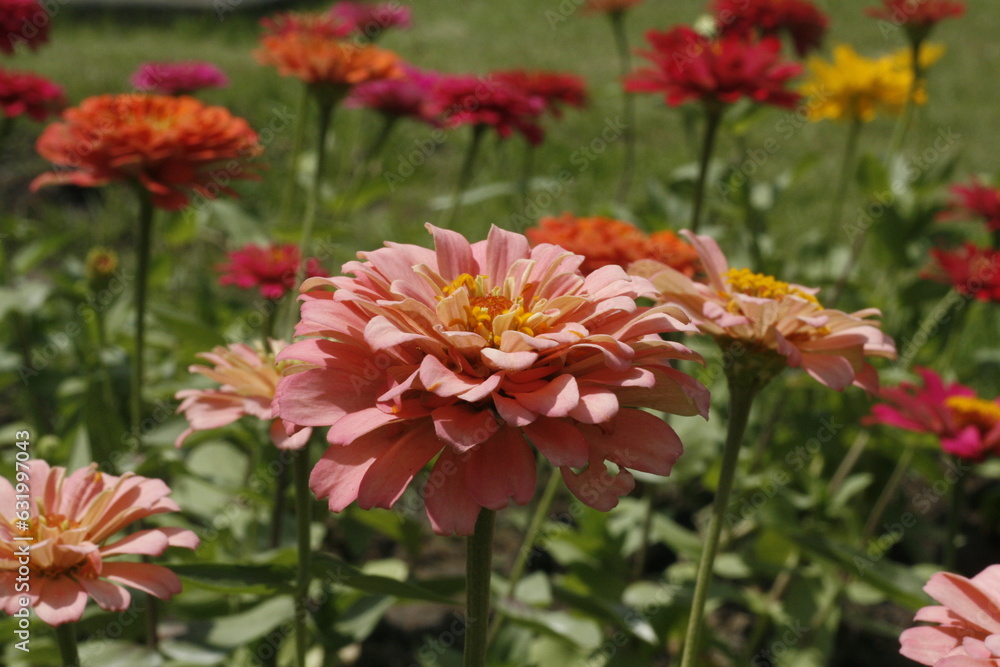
(171, 146)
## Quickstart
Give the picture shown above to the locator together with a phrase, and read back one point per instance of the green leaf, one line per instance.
(872, 176)
(118, 654)
(583, 633)
(237, 579)
(240, 629)
(332, 569)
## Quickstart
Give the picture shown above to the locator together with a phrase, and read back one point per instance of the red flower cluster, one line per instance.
(690, 67)
(489, 102)
(271, 269)
(371, 19)
(917, 16)
(605, 241)
(971, 270)
(22, 22)
(802, 20)
(406, 97)
(974, 200)
(554, 89)
(27, 94)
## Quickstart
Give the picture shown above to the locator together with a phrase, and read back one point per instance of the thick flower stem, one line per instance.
(909, 111)
(954, 520)
(66, 639)
(478, 570)
(741, 395)
(141, 285)
(628, 105)
(713, 118)
(844, 179)
(465, 176)
(303, 516)
(298, 137)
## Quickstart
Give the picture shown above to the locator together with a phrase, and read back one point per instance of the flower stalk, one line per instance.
(66, 639)
(713, 118)
(303, 516)
(465, 175)
(146, 212)
(628, 105)
(478, 570)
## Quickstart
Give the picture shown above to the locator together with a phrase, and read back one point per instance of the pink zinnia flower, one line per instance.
(974, 200)
(771, 316)
(802, 20)
(371, 19)
(554, 89)
(967, 622)
(971, 270)
(966, 425)
(73, 520)
(247, 378)
(271, 269)
(27, 94)
(457, 354)
(489, 102)
(181, 78)
(23, 22)
(405, 97)
(690, 67)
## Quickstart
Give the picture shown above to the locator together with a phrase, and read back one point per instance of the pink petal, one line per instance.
(339, 472)
(108, 596)
(464, 426)
(392, 471)
(597, 405)
(965, 599)
(319, 397)
(450, 507)
(146, 577)
(596, 488)
(454, 253)
(556, 399)
(834, 371)
(503, 248)
(512, 412)
(282, 439)
(559, 441)
(62, 600)
(711, 256)
(150, 542)
(441, 380)
(637, 440)
(508, 361)
(501, 469)
(352, 426)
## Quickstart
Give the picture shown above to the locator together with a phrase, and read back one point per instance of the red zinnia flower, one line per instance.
(27, 94)
(917, 17)
(170, 145)
(22, 22)
(971, 270)
(974, 200)
(371, 19)
(489, 102)
(688, 66)
(803, 21)
(553, 88)
(966, 425)
(272, 269)
(182, 78)
(406, 97)
(605, 241)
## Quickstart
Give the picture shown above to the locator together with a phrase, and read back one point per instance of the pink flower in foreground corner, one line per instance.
(271, 268)
(73, 519)
(768, 315)
(247, 377)
(968, 426)
(459, 353)
(967, 622)
(180, 78)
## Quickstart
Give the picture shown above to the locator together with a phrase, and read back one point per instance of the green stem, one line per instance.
(527, 171)
(954, 521)
(628, 105)
(888, 493)
(303, 516)
(141, 285)
(844, 179)
(298, 138)
(6, 125)
(741, 396)
(66, 638)
(359, 174)
(906, 120)
(465, 176)
(478, 570)
(278, 511)
(713, 117)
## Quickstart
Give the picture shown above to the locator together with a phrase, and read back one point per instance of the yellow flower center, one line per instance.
(763, 286)
(970, 411)
(489, 313)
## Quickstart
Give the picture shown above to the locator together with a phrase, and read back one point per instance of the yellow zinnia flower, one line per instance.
(853, 87)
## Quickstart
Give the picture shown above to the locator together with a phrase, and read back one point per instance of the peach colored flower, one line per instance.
(457, 354)
(247, 377)
(73, 520)
(769, 315)
(967, 630)
(171, 146)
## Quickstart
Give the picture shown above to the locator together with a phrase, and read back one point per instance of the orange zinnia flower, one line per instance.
(317, 57)
(606, 241)
(171, 146)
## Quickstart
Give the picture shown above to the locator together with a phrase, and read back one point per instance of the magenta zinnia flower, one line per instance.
(917, 17)
(966, 425)
(74, 520)
(27, 94)
(770, 316)
(456, 355)
(489, 102)
(181, 78)
(23, 22)
(406, 97)
(554, 89)
(974, 200)
(371, 19)
(272, 269)
(966, 630)
(802, 20)
(247, 378)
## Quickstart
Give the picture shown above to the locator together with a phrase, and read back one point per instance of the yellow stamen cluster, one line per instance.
(763, 286)
(970, 411)
(489, 313)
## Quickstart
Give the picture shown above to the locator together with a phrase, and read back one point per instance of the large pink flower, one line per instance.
(72, 523)
(768, 315)
(460, 353)
(967, 630)
(248, 378)
(967, 426)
